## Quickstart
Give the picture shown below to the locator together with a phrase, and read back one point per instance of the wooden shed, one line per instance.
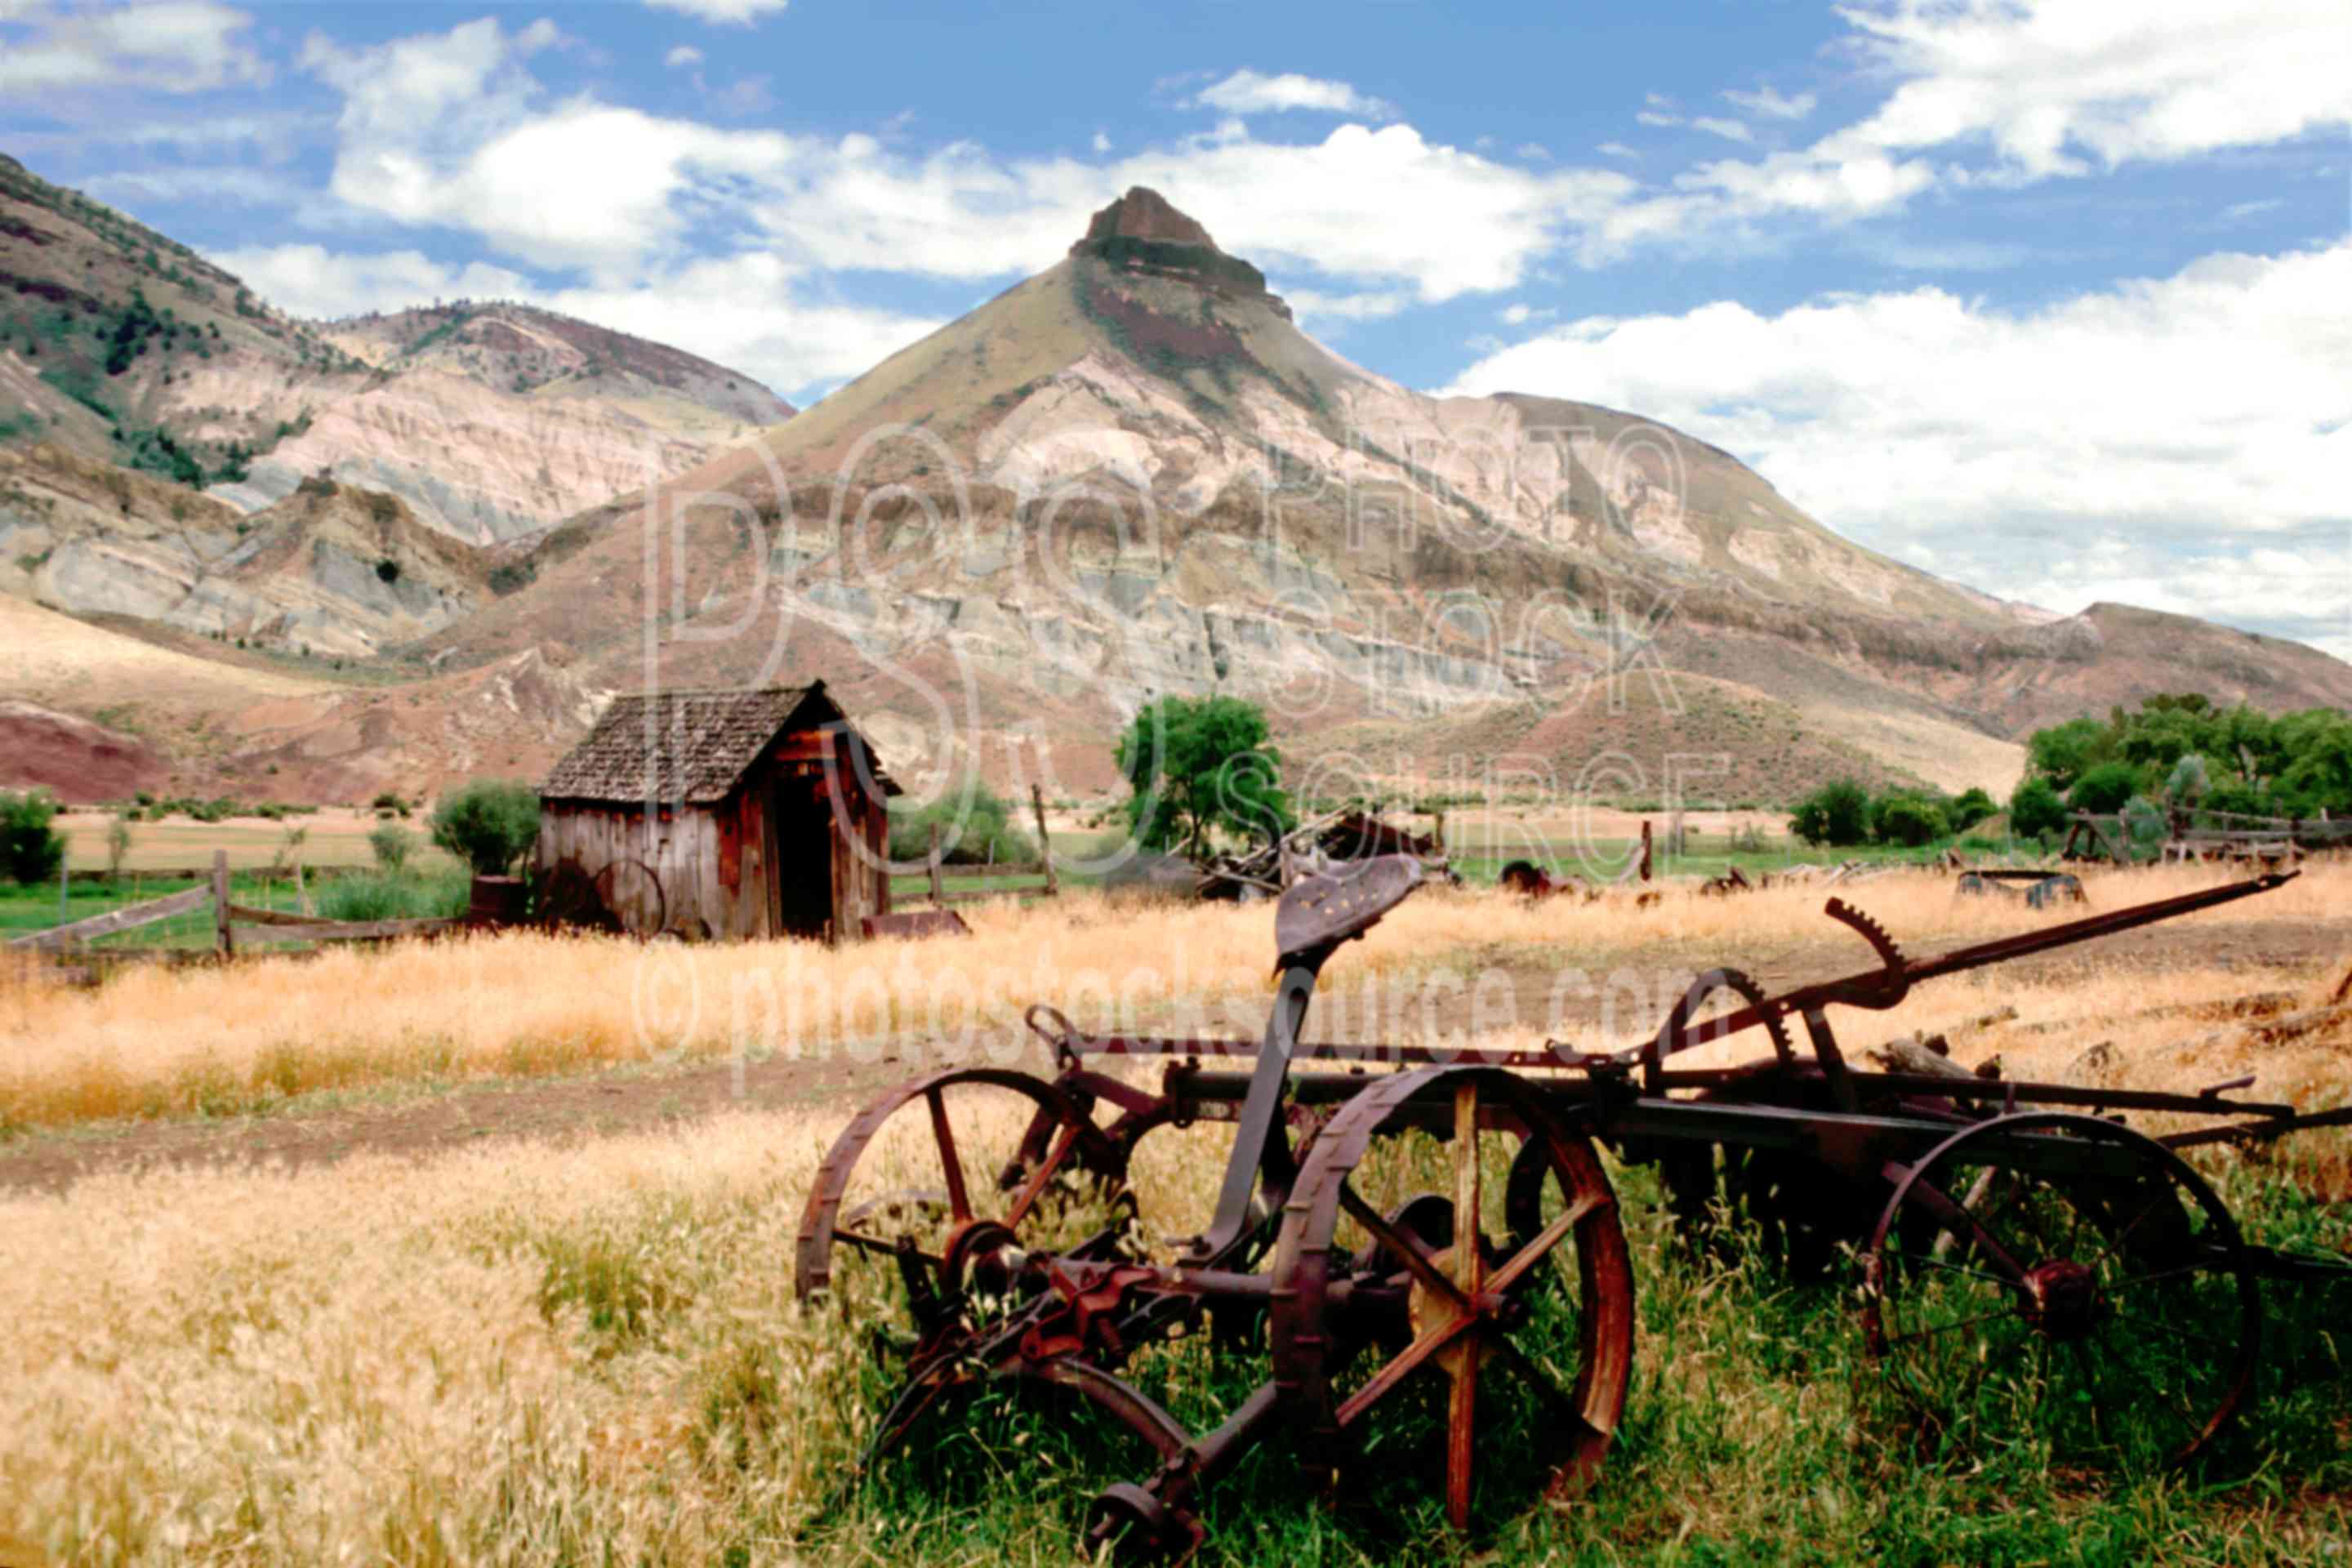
(725, 813)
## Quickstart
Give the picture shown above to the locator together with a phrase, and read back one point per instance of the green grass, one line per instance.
(1754, 1433)
(434, 891)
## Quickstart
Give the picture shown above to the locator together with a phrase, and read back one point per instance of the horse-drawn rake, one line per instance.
(1438, 1249)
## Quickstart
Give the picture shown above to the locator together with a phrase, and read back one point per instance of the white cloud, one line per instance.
(231, 183)
(173, 46)
(1101, 143)
(1520, 313)
(1249, 92)
(1769, 105)
(2238, 212)
(1535, 150)
(451, 129)
(1651, 117)
(740, 311)
(1616, 150)
(684, 55)
(2055, 87)
(1731, 130)
(2176, 442)
(722, 13)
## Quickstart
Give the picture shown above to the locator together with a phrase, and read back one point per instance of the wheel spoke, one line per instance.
(1460, 1430)
(1552, 1235)
(2155, 1394)
(1469, 1258)
(1969, 1322)
(875, 1243)
(1035, 1184)
(1407, 1247)
(1563, 1408)
(2180, 1272)
(1407, 1361)
(958, 1202)
(2176, 1331)
(1955, 1217)
(2125, 1235)
(1971, 1273)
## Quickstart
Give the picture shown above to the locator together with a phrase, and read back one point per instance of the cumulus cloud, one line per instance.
(451, 129)
(684, 55)
(1616, 150)
(722, 13)
(1729, 130)
(2053, 88)
(1767, 104)
(1250, 92)
(172, 45)
(742, 311)
(2176, 442)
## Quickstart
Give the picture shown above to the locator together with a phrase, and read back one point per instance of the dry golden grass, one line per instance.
(156, 1042)
(528, 1354)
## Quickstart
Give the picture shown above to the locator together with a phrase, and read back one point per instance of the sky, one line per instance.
(2047, 299)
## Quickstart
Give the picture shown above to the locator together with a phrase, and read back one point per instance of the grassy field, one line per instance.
(333, 835)
(588, 1350)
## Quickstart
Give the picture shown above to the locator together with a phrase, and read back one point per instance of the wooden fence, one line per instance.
(1009, 871)
(232, 923)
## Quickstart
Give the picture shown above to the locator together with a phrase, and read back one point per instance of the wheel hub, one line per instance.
(2061, 1299)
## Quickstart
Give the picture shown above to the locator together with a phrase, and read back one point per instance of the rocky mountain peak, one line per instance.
(1144, 214)
(1144, 231)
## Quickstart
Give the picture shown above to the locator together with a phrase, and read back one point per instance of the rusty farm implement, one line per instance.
(1426, 1245)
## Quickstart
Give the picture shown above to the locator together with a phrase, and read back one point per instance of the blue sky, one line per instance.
(2047, 299)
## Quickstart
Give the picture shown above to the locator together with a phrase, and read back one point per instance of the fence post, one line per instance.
(62, 858)
(222, 942)
(1645, 849)
(1045, 840)
(939, 891)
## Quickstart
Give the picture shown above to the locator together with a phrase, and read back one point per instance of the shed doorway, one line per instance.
(800, 818)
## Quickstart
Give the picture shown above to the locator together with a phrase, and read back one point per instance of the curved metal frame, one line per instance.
(1916, 1192)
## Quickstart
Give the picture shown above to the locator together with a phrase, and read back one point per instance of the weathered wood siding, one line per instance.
(719, 865)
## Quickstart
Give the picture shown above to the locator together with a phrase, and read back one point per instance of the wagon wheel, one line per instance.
(1524, 1339)
(2062, 1280)
(930, 1202)
(567, 899)
(626, 884)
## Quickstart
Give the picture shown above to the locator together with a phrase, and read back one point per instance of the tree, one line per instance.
(2188, 780)
(118, 844)
(2105, 788)
(392, 843)
(30, 850)
(2065, 751)
(489, 823)
(1972, 807)
(2035, 808)
(1909, 821)
(1197, 765)
(1837, 812)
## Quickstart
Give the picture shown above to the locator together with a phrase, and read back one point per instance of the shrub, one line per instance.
(2035, 810)
(118, 842)
(2105, 788)
(30, 850)
(441, 894)
(489, 823)
(1909, 821)
(1972, 807)
(970, 831)
(1837, 812)
(392, 845)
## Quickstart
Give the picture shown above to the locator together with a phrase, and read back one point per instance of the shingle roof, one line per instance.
(688, 746)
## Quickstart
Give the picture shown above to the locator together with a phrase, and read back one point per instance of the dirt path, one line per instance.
(636, 1099)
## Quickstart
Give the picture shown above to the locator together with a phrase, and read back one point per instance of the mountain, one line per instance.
(489, 420)
(1134, 474)
(1129, 475)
